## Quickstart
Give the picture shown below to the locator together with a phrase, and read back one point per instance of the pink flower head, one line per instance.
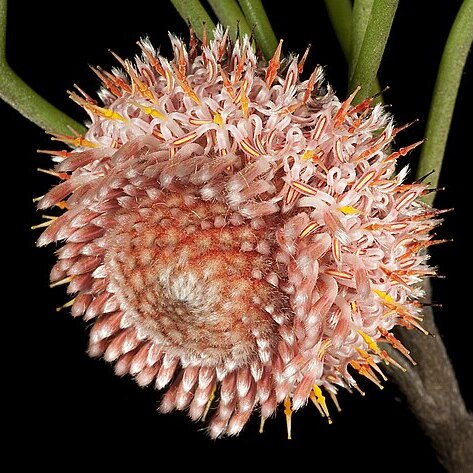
(237, 236)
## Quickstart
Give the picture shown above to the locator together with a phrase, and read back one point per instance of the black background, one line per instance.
(65, 405)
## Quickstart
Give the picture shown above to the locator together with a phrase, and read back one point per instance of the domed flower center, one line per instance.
(197, 284)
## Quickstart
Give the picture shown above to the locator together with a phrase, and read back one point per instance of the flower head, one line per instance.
(238, 236)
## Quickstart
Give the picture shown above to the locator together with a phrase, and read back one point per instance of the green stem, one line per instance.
(340, 14)
(23, 98)
(350, 27)
(257, 19)
(3, 31)
(360, 18)
(18, 94)
(445, 93)
(229, 14)
(361, 15)
(372, 48)
(192, 11)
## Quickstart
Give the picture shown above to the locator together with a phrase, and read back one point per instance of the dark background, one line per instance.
(65, 404)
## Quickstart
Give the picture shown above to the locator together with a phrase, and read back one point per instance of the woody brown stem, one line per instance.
(433, 395)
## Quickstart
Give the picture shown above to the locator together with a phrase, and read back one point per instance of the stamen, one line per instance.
(310, 228)
(209, 403)
(62, 281)
(288, 413)
(273, 65)
(320, 398)
(300, 66)
(66, 305)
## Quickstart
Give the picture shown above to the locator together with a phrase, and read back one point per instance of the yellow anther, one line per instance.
(308, 154)
(62, 205)
(99, 111)
(349, 210)
(244, 98)
(288, 413)
(386, 297)
(244, 105)
(320, 398)
(370, 342)
(367, 372)
(324, 346)
(209, 402)
(371, 362)
(75, 141)
(149, 111)
(316, 404)
(107, 113)
(169, 80)
(218, 119)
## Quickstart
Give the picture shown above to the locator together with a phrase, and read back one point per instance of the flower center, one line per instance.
(195, 283)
